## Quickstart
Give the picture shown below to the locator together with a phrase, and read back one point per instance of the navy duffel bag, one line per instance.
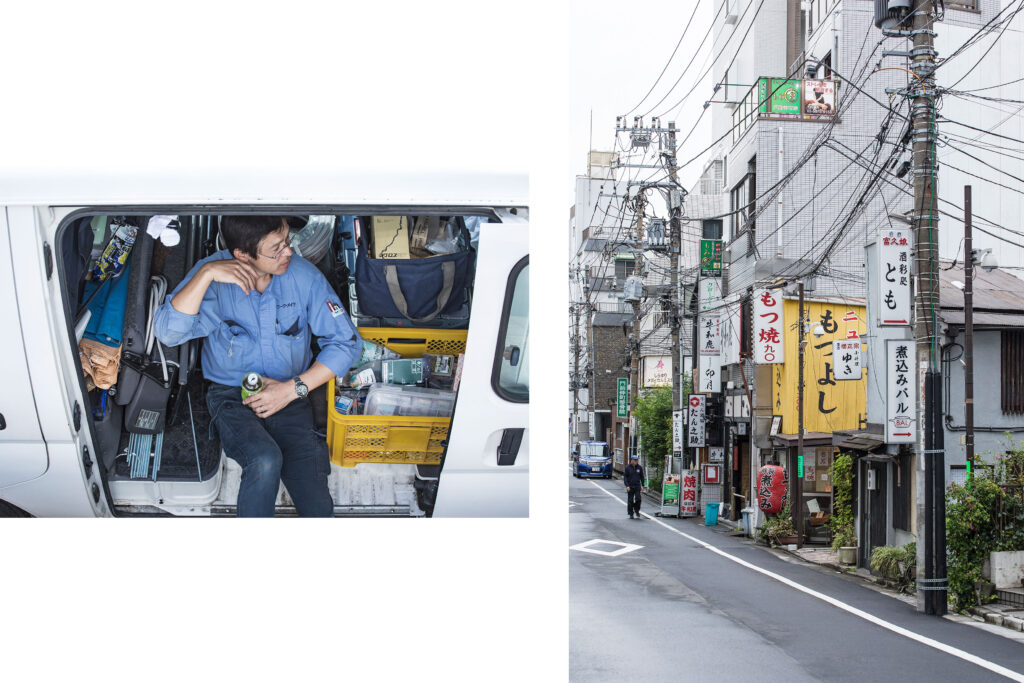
(418, 289)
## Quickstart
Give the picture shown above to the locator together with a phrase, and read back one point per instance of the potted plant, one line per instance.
(779, 529)
(844, 536)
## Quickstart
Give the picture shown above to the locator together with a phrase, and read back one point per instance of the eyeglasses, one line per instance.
(277, 255)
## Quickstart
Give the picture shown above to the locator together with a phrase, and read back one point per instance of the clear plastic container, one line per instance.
(391, 399)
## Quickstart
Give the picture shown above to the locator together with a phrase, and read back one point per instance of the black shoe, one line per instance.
(631, 515)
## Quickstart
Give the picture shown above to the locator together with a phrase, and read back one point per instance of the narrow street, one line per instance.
(655, 603)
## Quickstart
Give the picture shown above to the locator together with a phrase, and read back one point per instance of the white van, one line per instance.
(65, 453)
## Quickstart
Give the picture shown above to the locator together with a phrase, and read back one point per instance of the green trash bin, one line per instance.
(711, 514)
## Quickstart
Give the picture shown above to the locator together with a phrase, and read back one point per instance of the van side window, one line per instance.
(511, 375)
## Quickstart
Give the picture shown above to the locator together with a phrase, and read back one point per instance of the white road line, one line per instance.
(924, 640)
(621, 550)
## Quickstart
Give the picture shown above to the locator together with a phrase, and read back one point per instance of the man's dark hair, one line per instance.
(245, 232)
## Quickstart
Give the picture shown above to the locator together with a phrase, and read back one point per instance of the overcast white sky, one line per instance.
(616, 54)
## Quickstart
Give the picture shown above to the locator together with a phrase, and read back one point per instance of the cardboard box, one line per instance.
(390, 237)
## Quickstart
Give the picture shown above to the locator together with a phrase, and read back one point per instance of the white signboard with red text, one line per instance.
(894, 273)
(901, 403)
(769, 329)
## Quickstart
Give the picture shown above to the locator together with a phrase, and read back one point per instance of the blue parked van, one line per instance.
(591, 459)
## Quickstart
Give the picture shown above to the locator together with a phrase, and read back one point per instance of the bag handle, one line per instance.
(391, 276)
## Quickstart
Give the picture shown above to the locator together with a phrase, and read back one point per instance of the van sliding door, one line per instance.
(485, 472)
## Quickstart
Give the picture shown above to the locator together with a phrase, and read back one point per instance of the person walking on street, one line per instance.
(634, 480)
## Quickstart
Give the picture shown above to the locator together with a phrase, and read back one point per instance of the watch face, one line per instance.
(300, 388)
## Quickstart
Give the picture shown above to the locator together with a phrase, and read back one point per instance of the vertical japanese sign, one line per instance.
(710, 327)
(593, 427)
(894, 277)
(709, 375)
(623, 397)
(846, 359)
(695, 432)
(711, 258)
(768, 327)
(688, 495)
(901, 403)
(677, 431)
(709, 293)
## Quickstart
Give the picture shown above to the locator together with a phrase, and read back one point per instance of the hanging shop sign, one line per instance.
(769, 329)
(792, 98)
(846, 359)
(677, 431)
(901, 398)
(711, 258)
(894, 273)
(709, 293)
(688, 494)
(712, 474)
(716, 454)
(710, 334)
(695, 432)
(656, 371)
(622, 397)
(709, 375)
(670, 495)
(829, 404)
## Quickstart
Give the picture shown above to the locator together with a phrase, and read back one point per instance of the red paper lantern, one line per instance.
(771, 488)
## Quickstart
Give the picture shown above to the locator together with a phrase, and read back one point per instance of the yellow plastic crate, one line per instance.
(353, 439)
(414, 342)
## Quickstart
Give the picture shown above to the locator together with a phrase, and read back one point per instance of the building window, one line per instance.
(711, 229)
(1012, 371)
(826, 62)
(746, 318)
(742, 203)
(963, 4)
(624, 268)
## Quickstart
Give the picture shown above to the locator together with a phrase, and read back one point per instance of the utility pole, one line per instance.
(968, 332)
(575, 370)
(675, 244)
(932, 552)
(798, 490)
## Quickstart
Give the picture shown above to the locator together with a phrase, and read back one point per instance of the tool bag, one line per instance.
(416, 289)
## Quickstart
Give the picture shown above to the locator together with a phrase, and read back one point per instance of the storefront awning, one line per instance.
(858, 440)
(810, 439)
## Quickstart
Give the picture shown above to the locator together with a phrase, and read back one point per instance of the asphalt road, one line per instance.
(674, 610)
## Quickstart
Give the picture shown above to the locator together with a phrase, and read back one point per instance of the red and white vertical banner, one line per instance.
(901, 396)
(894, 272)
(768, 327)
(688, 494)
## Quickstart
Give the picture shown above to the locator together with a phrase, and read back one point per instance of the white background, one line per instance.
(452, 85)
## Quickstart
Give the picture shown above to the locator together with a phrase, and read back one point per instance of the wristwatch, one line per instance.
(300, 388)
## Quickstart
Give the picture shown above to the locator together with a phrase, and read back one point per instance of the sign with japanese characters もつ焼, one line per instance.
(894, 275)
(696, 428)
(846, 359)
(709, 327)
(769, 327)
(901, 394)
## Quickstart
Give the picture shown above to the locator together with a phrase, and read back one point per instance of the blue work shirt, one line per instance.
(268, 333)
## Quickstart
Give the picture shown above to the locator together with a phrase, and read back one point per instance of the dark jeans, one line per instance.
(281, 447)
(633, 500)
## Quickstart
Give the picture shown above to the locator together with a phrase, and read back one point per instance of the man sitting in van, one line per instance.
(256, 303)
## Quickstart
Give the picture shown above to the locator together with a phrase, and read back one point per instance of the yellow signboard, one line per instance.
(829, 404)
